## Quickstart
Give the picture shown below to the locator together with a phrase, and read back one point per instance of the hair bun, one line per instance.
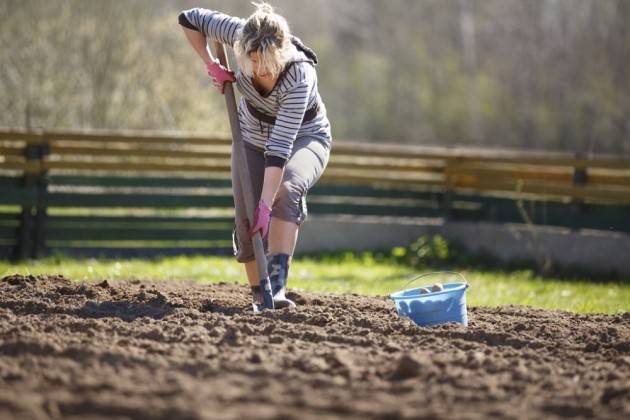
(263, 8)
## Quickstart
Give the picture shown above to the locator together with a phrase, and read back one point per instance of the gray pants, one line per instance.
(305, 166)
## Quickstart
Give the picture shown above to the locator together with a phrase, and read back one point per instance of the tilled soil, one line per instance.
(188, 351)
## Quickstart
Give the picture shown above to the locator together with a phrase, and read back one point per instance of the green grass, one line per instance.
(348, 273)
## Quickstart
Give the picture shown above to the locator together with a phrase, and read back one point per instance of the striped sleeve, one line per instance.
(215, 25)
(294, 97)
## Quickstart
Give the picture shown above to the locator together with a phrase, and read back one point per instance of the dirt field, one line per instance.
(185, 351)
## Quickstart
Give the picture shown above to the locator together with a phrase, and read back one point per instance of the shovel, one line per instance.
(243, 175)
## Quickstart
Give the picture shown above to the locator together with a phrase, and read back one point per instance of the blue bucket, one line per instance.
(448, 305)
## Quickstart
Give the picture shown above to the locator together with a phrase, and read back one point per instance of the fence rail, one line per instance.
(125, 192)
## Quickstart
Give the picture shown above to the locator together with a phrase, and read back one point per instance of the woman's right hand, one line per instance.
(219, 74)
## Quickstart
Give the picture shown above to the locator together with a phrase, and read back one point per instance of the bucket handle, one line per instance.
(421, 276)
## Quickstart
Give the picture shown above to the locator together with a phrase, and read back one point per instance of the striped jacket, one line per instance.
(287, 101)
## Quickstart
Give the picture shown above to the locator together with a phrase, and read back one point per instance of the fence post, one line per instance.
(25, 232)
(447, 196)
(41, 217)
(580, 178)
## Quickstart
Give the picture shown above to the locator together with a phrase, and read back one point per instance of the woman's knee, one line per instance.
(289, 203)
(287, 193)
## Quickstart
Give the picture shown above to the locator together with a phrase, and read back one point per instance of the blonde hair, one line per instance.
(267, 33)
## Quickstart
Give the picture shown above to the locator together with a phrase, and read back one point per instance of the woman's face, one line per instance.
(259, 72)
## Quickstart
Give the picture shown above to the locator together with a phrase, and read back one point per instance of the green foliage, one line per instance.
(435, 251)
(429, 250)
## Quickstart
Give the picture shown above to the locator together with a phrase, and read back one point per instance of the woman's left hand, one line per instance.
(219, 74)
(262, 217)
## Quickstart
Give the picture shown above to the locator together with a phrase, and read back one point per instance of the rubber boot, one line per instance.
(278, 268)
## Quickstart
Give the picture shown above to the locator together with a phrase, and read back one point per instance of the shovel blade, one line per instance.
(267, 297)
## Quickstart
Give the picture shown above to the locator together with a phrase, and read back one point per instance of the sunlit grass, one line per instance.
(352, 274)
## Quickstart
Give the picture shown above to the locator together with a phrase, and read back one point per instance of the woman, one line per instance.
(284, 127)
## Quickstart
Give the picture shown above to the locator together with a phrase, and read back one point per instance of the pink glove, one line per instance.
(219, 75)
(262, 216)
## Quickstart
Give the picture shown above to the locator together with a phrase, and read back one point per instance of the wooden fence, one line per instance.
(142, 193)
